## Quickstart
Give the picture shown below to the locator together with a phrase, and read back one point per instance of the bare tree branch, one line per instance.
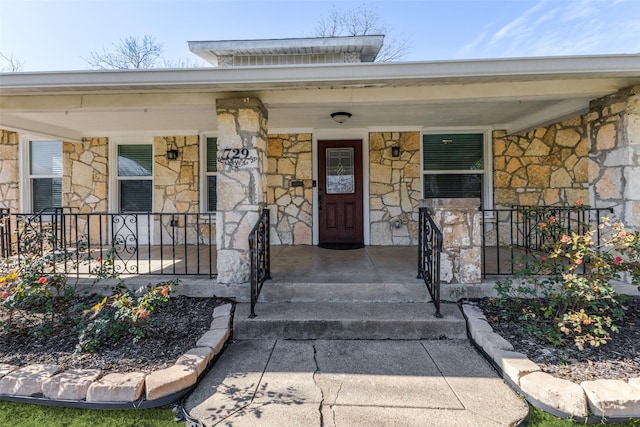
(10, 64)
(129, 53)
(363, 21)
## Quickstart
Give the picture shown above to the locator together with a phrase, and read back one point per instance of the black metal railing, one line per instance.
(5, 233)
(259, 257)
(512, 237)
(132, 243)
(429, 249)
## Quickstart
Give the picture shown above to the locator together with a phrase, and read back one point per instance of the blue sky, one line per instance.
(58, 34)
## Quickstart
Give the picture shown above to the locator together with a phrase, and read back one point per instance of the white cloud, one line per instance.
(552, 28)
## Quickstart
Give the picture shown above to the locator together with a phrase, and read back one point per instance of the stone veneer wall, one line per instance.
(546, 166)
(614, 167)
(85, 176)
(176, 189)
(85, 167)
(9, 170)
(394, 188)
(289, 158)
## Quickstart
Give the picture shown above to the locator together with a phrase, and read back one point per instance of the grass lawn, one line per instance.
(542, 419)
(24, 415)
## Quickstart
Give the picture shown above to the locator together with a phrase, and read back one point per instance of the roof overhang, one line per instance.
(366, 46)
(513, 94)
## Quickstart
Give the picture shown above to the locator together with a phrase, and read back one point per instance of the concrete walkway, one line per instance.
(347, 383)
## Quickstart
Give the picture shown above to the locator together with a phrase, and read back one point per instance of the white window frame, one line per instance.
(25, 176)
(114, 194)
(204, 175)
(487, 172)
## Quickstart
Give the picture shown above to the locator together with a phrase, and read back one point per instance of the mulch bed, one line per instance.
(174, 328)
(618, 359)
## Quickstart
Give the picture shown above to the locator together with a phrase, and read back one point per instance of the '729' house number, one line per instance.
(237, 157)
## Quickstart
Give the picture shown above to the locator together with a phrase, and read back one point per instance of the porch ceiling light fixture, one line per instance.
(395, 151)
(172, 151)
(340, 116)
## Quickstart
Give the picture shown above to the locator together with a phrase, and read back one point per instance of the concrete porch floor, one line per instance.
(371, 274)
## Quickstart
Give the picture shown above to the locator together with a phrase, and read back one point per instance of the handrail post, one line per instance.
(259, 257)
(429, 250)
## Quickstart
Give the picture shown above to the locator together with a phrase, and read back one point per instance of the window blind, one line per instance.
(46, 193)
(46, 157)
(135, 195)
(212, 154)
(135, 160)
(212, 193)
(453, 152)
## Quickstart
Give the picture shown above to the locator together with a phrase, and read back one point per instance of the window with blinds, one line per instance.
(45, 175)
(135, 174)
(210, 172)
(453, 165)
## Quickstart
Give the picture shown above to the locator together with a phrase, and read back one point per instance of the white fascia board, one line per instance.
(304, 76)
(546, 116)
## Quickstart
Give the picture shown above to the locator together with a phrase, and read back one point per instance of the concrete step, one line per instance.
(348, 320)
(336, 291)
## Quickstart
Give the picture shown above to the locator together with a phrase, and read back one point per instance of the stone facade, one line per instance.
(394, 188)
(176, 189)
(289, 158)
(85, 179)
(9, 170)
(459, 222)
(546, 166)
(85, 175)
(614, 160)
(242, 182)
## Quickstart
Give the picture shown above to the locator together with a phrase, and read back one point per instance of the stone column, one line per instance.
(242, 183)
(9, 171)
(615, 154)
(459, 222)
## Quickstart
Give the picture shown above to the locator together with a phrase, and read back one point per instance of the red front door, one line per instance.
(340, 193)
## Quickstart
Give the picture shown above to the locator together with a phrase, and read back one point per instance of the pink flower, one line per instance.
(43, 280)
(142, 313)
(578, 261)
(552, 219)
(617, 261)
(564, 239)
(164, 291)
(5, 294)
(542, 224)
(98, 259)
(578, 202)
(542, 259)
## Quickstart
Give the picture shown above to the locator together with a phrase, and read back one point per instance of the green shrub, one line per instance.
(33, 289)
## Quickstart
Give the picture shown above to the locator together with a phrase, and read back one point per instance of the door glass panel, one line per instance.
(340, 172)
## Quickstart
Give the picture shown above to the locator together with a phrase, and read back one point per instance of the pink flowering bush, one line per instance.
(568, 286)
(36, 297)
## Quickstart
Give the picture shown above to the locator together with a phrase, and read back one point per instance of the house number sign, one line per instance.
(237, 158)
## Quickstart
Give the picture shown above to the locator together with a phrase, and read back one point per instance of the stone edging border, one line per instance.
(88, 388)
(613, 400)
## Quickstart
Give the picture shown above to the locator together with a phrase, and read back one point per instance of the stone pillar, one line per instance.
(9, 171)
(85, 172)
(242, 183)
(614, 166)
(459, 222)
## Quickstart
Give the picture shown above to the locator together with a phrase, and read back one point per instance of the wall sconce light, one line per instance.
(395, 151)
(172, 150)
(341, 116)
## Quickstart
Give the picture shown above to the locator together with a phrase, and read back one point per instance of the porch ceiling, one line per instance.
(514, 95)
